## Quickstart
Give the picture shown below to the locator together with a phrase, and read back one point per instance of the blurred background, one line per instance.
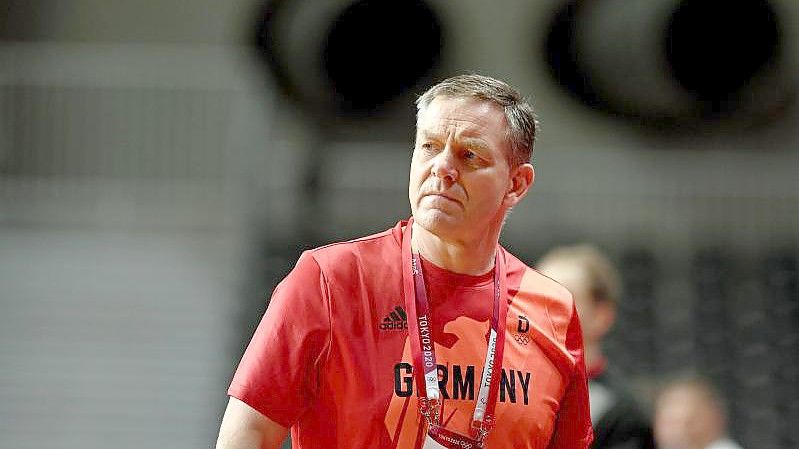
(163, 163)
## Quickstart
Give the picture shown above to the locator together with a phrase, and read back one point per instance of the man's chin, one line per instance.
(437, 221)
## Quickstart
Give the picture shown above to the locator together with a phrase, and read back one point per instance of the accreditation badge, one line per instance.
(441, 438)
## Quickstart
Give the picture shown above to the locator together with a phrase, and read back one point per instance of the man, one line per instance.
(429, 334)
(689, 414)
(618, 420)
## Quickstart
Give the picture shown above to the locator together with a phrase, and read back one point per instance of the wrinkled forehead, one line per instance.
(442, 104)
(467, 116)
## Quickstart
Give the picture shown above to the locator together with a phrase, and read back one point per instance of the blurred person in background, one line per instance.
(690, 414)
(618, 420)
(398, 340)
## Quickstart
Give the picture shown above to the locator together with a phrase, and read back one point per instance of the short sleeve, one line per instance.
(573, 426)
(278, 373)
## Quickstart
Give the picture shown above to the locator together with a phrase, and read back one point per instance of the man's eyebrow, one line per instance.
(469, 142)
(475, 143)
(429, 134)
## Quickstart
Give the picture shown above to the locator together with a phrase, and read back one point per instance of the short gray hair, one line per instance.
(519, 113)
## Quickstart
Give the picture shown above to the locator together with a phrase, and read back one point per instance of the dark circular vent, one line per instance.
(715, 48)
(376, 50)
(348, 57)
(673, 64)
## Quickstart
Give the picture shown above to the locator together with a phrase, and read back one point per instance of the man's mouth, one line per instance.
(442, 195)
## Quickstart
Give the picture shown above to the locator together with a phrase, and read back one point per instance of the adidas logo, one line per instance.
(396, 320)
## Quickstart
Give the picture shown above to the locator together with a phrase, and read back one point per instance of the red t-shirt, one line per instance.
(331, 357)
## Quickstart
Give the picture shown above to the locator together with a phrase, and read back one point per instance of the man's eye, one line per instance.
(469, 155)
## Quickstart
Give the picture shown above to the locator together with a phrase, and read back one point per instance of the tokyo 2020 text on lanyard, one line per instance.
(423, 349)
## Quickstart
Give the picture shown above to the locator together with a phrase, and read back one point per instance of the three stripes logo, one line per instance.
(396, 320)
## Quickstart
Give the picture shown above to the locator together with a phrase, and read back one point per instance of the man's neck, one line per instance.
(594, 358)
(474, 257)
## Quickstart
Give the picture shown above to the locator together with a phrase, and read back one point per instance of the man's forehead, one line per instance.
(446, 103)
(469, 116)
(442, 133)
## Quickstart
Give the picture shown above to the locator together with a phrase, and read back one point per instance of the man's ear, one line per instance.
(522, 179)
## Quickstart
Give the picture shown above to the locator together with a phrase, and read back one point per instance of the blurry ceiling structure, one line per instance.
(349, 61)
(672, 64)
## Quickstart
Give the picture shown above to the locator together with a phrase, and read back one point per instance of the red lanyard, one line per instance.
(423, 349)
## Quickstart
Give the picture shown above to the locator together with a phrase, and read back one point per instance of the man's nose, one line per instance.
(445, 165)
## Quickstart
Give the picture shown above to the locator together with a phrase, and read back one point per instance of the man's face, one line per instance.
(571, 275)
(683, 420)
(460, 175)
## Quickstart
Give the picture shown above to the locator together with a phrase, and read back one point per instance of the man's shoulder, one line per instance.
(537, 285)
(361, 249)
(548, 306)
(625, 410)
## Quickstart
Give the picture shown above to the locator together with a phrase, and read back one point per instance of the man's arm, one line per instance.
(279, 371)
(243, 427)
